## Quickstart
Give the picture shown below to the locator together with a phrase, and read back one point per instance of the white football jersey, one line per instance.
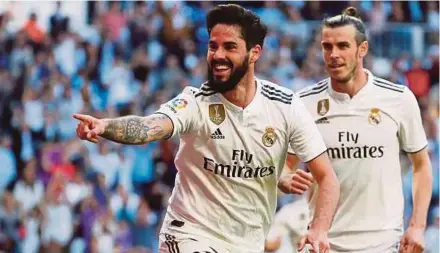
(230, 159)
(364, 136)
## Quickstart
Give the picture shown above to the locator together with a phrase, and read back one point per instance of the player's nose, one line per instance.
(334, 54)
(219, 54)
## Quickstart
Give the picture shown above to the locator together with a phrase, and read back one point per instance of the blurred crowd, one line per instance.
(61, 194)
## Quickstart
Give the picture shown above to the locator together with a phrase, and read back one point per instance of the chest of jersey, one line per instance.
(242, 144)
(362, 144)
(357, 132)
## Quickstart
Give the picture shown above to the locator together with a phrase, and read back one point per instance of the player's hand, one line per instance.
(89, 128)
(413, 241)
(318, 240)
(300, 182)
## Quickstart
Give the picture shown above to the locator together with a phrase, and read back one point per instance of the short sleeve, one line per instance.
(411, 132)
(183, 112)
(305, 139)
(290, 150)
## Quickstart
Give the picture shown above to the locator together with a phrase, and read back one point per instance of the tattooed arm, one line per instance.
(126, 130)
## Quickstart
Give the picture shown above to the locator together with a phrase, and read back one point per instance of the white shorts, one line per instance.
(186, 244)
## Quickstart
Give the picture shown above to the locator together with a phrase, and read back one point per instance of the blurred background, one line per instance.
(109, 59)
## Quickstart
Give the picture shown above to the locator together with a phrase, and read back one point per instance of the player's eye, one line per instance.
(343, 45)
(327, 47)
(230, 47)
(212, 47)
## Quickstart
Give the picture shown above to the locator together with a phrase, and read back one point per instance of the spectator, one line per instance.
(118, 82)
(55, 234)
(89, 212)
(172, 75)
(143, 225)
(378, 19)
(123, 238)
(12, 230)
(21, 54)
(70, 101)
(140, 66)
(138, 26)
(432, 16)
(8, 171)
(302, 79)
(104, 229)
(31, 242)
(59, 22)
(418, 79)
(124, 204)
(34, 32)
(114, 20)
(107, 163)
(29, 191)
(77, 189)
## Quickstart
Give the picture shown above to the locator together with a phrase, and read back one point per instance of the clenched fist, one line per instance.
(296, 183)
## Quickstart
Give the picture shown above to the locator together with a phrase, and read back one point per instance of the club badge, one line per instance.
(374, 118)
(269, 137)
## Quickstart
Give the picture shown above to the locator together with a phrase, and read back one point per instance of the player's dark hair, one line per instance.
(348, 17)
(252, 30)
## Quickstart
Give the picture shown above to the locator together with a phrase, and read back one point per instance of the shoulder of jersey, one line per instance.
(203, 91)
(276, 93)
(313, 90)
(385, 85)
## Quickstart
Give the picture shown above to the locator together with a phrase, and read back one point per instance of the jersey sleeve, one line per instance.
(411, 132)
(305, 139)
(183, 112)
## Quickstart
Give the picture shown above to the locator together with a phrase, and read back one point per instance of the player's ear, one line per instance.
(363, 49)
(255, 53)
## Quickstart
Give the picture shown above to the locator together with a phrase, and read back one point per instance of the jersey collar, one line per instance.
(252, 104)
(344, 97)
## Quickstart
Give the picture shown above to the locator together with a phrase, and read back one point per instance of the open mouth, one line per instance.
(221, 68)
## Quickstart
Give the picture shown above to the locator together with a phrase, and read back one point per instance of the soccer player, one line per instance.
(234, 135)
(365, 122)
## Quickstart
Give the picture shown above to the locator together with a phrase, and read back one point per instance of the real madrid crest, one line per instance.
(374, 118)
(217, 113)
(270, 137)
(323, 106)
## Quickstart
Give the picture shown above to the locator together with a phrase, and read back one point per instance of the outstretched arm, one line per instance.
(138, 130)
(126, 130)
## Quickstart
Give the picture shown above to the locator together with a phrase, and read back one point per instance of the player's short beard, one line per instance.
(234, 78)
(350, 74)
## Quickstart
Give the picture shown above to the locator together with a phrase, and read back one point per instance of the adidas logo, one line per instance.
(217, 134)
(323, 120)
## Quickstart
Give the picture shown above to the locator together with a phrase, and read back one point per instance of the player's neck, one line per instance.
(354, 85)
(243, 94)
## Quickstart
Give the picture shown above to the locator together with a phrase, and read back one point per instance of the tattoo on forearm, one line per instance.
(134, 129)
